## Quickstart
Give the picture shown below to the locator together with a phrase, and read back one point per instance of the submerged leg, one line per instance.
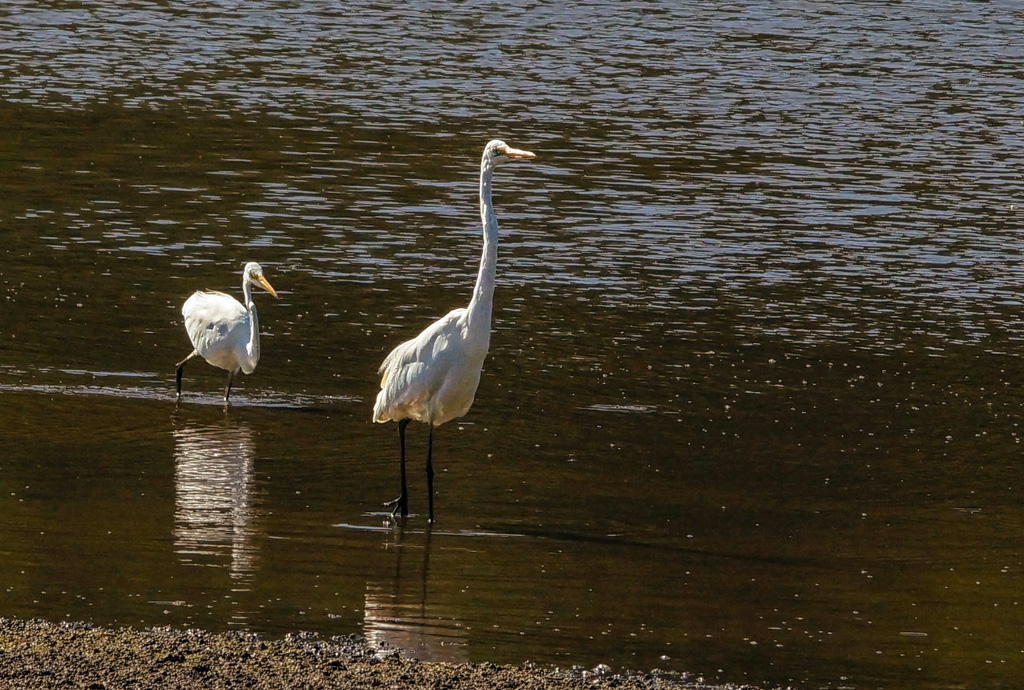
(430, 474)
(181, 365)
(401, 504)
(227, 388)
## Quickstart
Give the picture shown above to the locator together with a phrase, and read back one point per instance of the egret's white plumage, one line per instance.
(223, 331)
(433, 377)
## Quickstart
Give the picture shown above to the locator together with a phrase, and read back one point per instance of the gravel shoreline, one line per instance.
(39, 654)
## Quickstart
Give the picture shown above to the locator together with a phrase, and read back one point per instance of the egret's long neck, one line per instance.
(254, 323)
(479, 311)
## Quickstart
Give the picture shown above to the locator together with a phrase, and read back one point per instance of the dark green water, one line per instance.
(751, 405)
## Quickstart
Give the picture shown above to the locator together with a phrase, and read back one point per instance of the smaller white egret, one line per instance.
(433, 377)
(223, 332)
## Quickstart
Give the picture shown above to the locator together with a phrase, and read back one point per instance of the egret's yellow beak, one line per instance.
(266, 285)
(518, 153)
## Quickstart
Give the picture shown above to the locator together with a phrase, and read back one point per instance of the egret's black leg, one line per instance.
(430, 473)
(401, 504)
(227, 388)
(181, 366)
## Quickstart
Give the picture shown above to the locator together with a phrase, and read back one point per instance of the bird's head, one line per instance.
(497, 152)
(254, 275)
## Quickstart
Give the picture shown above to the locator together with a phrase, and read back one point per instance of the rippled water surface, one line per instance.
(751, 406)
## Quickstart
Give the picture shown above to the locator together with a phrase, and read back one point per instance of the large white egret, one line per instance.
(224, 332)
(433, 377)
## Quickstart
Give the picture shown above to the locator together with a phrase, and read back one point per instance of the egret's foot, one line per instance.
(399, 505)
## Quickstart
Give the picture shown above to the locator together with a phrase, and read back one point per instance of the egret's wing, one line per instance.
(416, 369)
(211, 319)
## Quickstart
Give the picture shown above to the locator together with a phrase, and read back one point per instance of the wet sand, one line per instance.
(39, 654)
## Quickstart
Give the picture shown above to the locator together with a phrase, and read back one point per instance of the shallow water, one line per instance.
(750, 409)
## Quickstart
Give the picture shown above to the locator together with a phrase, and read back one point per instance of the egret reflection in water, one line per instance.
(213, 496)
(399, 611)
